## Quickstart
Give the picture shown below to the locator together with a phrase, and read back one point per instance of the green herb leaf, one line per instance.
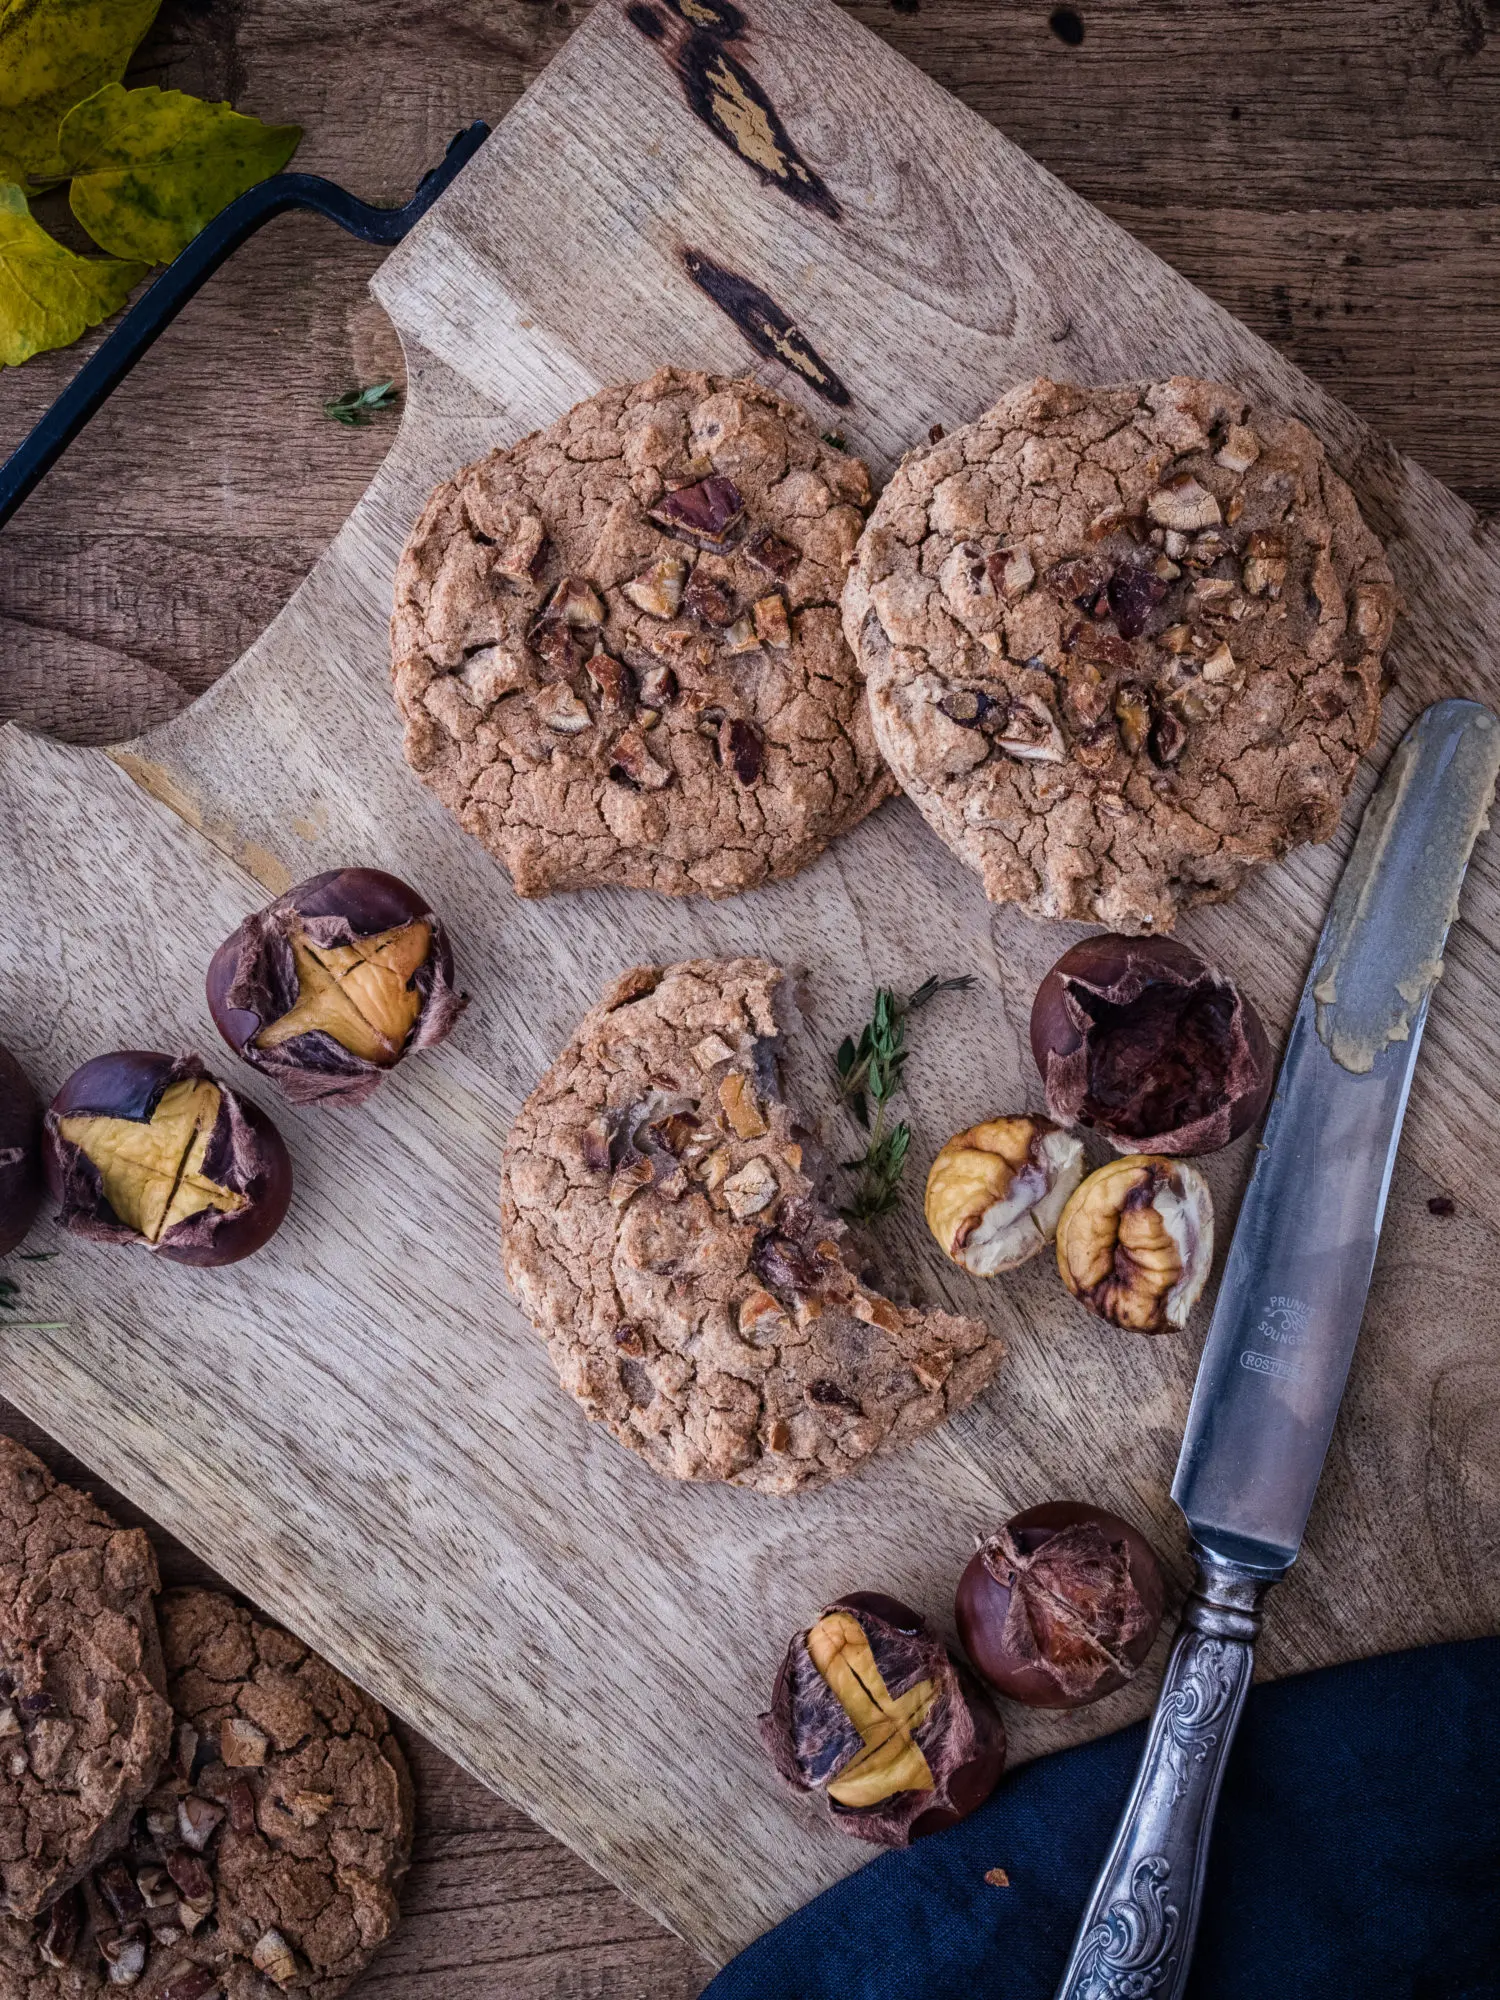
(151, 167)
(871, 1070)
(355, 405)
(48, 296)
(52, 54)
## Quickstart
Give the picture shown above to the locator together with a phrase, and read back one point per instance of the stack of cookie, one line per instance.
(192, 1804)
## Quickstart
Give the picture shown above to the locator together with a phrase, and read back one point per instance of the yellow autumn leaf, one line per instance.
(52, 53)
(48, 295)
(151, 167)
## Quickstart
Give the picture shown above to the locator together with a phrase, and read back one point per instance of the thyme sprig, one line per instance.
(356, 407)
(869, 1074)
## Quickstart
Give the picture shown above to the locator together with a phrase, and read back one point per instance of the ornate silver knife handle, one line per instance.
(1136, 1938)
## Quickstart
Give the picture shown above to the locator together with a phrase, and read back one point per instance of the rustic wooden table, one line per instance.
(1332, 175)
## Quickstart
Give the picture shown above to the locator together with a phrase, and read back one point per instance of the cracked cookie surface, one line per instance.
(617, 644)
(665, 1231)
(84, 1723)
(1122, 644)
(267, 1858)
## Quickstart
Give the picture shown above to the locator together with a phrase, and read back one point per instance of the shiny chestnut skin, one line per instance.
(962, 1739)
(245, 1157)
(1095, 1616)
(1150, 1045)
(20, 1152)
(253, 983)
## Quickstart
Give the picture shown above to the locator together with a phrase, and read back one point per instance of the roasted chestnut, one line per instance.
(874, 1714)
(995, 1192)
(20, 1152)
(1060, 1606)
(1149, 1044)
(333, 984)
(144, 1148)
(1136, 1242)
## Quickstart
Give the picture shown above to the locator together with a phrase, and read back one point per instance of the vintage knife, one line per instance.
(1283, 1332)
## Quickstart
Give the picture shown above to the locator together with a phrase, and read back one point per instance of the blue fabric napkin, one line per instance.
(1356, 1857)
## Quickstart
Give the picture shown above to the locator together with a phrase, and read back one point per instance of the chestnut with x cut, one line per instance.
(1149, 1044)
(144, 1149)
(334, 983)
(872, 1712)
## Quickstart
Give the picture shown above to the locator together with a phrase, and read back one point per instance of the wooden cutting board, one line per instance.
(357, 1426)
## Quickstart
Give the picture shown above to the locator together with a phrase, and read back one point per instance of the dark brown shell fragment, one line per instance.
(1133, 592)
(707, 514)
(772, 553)
(709, 598)
(1150, 1045)
(743, 749)
(812, 1739)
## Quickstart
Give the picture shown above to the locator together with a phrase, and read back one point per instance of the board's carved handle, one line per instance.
(1136, 1938)
(157, 307)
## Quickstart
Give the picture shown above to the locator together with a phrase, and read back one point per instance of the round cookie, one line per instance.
(617, 644)
(266, 1861)
(84, 1723)
(665, 1232)
(1122, 644)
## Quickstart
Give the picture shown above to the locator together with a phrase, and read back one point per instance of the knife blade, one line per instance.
(1283, 1333)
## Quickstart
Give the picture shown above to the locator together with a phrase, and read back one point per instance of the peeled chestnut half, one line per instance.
(1060, 1606)
(1149, 1044)
(334, 983)
(995, 1192)
(875, 1715)
(1136, 1242)
(147, 1149)
(20, 1152)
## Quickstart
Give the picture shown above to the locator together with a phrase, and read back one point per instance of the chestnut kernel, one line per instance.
(1150, 1045)
(1136, 1242)
(995, 1192)
(20, 1152)
(1061, 1605)
(333, 984)
(874, 1714)
(147, 1149)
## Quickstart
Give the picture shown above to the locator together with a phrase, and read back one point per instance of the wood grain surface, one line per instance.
(1444, 1437)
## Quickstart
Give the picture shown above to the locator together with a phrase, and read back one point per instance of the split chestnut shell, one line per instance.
(148, 1149)
(873, 1713)
(1150, 1045)
(1061, 1605)
(333, 984)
